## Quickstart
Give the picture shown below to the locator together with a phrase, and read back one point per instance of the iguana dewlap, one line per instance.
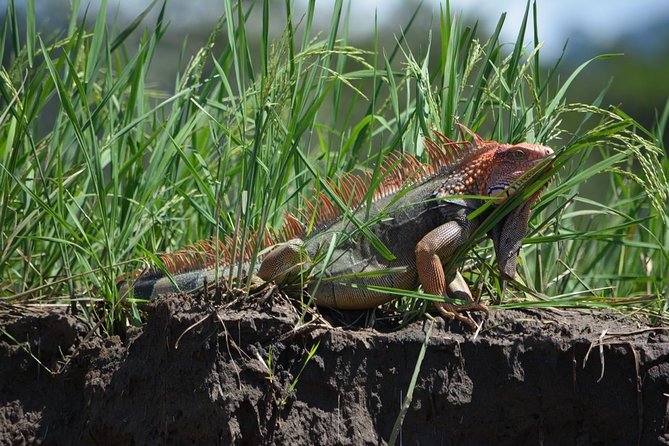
(418, 212)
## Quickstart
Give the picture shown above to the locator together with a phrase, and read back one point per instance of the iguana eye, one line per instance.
(517, 154)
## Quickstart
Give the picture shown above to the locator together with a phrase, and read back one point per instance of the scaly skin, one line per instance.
(422, 224)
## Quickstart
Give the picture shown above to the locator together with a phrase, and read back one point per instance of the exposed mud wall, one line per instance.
(194, 374)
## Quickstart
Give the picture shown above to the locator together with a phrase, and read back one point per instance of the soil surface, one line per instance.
(196, 373)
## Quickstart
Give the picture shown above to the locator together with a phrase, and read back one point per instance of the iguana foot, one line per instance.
(452, 311)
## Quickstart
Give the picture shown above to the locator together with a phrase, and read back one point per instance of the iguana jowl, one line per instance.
(418, 212)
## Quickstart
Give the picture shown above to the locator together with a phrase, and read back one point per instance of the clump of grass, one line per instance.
(98, 171)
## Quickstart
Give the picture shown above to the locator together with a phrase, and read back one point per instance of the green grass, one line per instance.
(98, 171)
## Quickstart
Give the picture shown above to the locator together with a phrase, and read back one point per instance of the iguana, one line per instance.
(419, 211)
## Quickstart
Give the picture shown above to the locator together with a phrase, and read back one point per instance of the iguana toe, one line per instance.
(453, 311)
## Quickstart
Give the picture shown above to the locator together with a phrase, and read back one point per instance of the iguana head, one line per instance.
(511, 166)
(496, 170)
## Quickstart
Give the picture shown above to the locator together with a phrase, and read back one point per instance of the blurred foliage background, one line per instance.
(571, 30)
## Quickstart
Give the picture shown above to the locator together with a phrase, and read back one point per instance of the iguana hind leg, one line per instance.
(284, 262)
(431, 253)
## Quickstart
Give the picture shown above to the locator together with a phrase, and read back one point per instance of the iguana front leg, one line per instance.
(432, 252)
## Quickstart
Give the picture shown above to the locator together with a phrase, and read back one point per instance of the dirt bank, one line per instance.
(195, 374)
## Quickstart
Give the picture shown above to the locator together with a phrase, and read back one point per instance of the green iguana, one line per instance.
(420, 212)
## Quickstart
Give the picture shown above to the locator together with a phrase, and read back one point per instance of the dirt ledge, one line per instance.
(523, 380)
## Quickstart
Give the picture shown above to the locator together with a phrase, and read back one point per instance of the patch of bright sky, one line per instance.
(600, 22)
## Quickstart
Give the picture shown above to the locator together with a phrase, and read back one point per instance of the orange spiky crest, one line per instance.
(397, 171)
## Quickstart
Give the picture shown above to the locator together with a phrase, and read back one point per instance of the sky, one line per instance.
(599, 22)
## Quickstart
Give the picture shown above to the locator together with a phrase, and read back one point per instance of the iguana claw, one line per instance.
(453, 311)
(457, 288)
